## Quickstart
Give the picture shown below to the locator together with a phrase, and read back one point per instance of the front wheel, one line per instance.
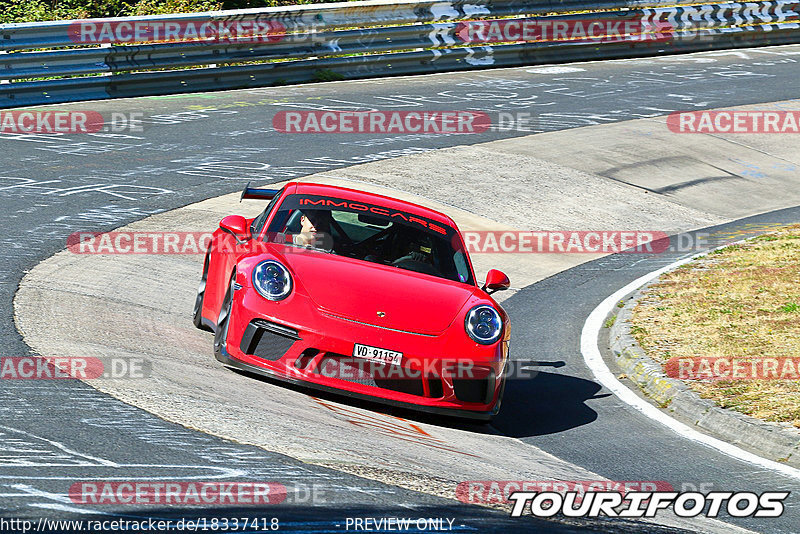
(197, 312)
(221, 333)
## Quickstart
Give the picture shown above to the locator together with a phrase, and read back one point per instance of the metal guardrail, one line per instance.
(63, 61)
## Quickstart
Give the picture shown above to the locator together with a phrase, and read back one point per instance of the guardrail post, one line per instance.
(2, 81)
(106, 45)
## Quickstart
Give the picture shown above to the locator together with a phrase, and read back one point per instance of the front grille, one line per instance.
(266, 340)
(336, 366)
(385, 377)
(410, 386)
(478, 387)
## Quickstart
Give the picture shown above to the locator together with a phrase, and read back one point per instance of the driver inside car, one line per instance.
(417, 258)
(417, 255)
(315, 230)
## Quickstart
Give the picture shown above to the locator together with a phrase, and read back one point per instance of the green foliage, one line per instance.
(40, 10)
(161, 7)
(638, 330)
(790, 307)
(327, 75)
(36, 10)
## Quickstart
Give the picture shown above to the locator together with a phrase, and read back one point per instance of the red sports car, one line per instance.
(357, 293)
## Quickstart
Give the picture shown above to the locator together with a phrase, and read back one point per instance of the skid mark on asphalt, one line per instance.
(394, 427)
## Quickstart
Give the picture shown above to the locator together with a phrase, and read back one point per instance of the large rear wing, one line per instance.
(256, 193)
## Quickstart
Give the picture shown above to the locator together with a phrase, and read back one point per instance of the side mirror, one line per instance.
(496, 281)
(236, 225)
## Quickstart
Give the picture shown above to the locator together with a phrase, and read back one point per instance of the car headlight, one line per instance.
(484, 324)
(272, 280)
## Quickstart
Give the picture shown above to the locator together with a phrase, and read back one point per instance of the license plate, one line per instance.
(375, 354)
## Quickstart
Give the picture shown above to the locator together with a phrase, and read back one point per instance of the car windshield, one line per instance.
(370, 233)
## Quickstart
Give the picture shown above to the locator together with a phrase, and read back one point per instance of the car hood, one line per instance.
(360, 291)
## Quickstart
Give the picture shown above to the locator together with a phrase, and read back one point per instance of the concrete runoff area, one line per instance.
(140, 305)
(726, 175)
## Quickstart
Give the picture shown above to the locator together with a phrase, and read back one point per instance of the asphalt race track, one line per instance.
(195, 147)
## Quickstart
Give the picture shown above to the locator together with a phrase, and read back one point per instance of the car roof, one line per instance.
(372, 198)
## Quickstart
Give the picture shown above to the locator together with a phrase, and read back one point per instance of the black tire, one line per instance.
(221, 333)
(197, 312)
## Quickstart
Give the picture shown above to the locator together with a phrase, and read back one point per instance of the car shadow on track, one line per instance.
(545, 403)
(534, 404)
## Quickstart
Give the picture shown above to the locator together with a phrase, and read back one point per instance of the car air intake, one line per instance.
(267, 340)
(476, 388)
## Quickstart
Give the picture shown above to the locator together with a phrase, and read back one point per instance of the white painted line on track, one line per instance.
(557, 69)
(71, 509)
(57, 445)
(594, 360)
(30, 490)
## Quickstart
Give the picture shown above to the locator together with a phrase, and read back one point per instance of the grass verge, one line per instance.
(739, 302)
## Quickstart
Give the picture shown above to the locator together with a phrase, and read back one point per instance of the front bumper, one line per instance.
(272, 339)
(228, 360)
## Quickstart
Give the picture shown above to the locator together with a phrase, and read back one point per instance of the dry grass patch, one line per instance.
(739, 302)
